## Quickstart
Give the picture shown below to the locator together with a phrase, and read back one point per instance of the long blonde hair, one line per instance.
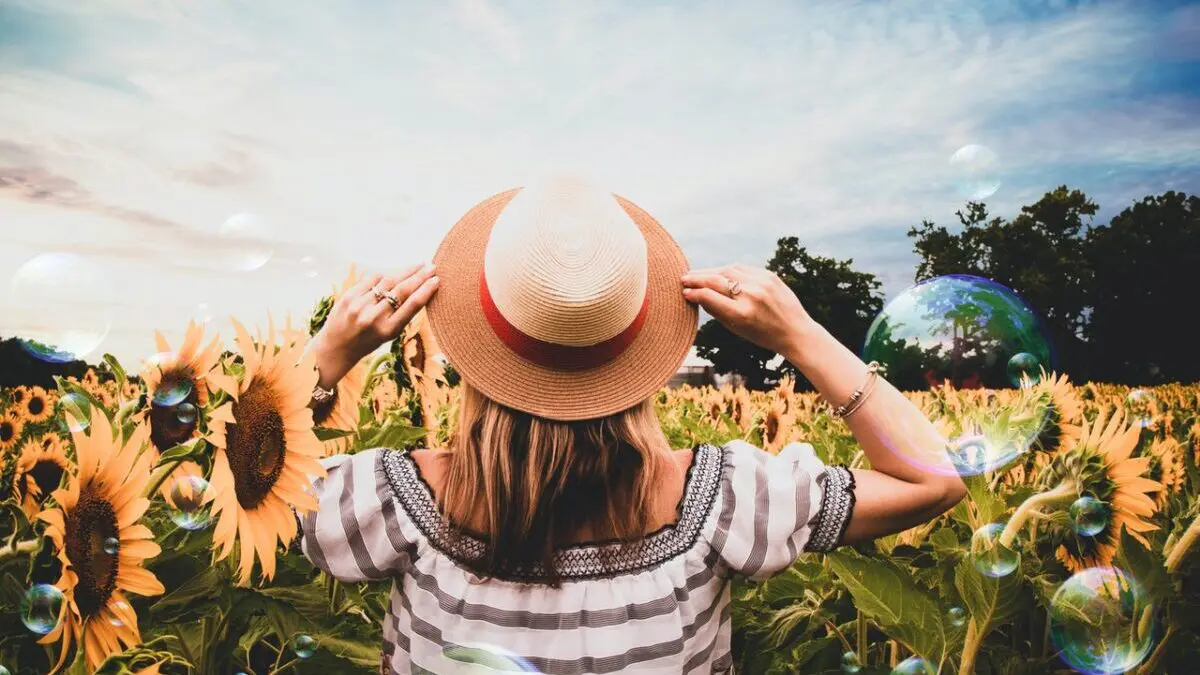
(532, 483)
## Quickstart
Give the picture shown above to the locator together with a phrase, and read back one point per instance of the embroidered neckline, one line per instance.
(589, 560)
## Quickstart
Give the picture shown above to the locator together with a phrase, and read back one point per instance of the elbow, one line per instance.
(953, 490)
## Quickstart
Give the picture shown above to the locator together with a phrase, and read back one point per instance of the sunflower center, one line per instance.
(46, 474)
(7, 431)
(37, 405)
(170, 425)
(256, 446)
(91, 524)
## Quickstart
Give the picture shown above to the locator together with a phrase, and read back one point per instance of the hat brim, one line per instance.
(466, 338)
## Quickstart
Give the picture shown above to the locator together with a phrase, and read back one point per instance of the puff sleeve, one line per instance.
(771, 508)
(359, 531)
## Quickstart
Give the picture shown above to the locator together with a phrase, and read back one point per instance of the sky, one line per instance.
(176, 160)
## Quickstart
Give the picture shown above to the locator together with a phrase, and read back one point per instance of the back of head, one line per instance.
(532, 484)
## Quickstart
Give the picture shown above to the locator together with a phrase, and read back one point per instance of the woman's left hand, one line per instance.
(373, 312)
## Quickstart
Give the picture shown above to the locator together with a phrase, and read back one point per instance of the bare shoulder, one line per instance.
(431, 463)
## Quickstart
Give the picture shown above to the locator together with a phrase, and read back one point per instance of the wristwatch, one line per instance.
(323, 395)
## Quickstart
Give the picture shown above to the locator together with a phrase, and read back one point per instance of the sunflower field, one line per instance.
(148, 521)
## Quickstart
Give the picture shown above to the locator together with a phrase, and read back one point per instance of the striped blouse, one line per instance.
(662, 606)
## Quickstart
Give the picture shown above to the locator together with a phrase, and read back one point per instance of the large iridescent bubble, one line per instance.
(976, 171)
(967, 333)
(1102, 622)
(59, 305)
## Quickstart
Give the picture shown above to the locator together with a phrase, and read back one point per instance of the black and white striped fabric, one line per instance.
(662, 606)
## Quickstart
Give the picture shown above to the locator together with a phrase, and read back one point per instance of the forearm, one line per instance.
(332, 364)
(888, 426)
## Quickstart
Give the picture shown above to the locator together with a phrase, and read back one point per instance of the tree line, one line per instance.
(1117, 298)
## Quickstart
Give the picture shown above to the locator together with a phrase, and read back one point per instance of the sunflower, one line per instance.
(741, 409)
(90, 379)
(776, 426)
(1167, 468)
(182, 379)
(40, 467)
(1063, 413)
(38, 406)
(100, 544)
(131, 390)
(18, 395)
(342, 412)
(11, 426)
(1101, 464)
(385, 396)
(266, 452)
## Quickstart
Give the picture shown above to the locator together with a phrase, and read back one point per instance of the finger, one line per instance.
(405, 286)
(721, 306)
(715, 281)
(395, 323)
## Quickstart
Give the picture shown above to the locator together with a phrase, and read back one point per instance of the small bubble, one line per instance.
(41, 608)
(488, 656)
(185, 413)
(172, 392)
(5, 671)
(186, 503)
(76, 410)
(304, 646)
(957, 616)
(976, 171)
(992, 558)
(246, 239)
(1102, 622)
(850, 663)
(119, 608)
(203, 313)
(1089, 516)
(310, 266)
(1140, 406)
(914, 665)
(1023, 368)
(112, 545)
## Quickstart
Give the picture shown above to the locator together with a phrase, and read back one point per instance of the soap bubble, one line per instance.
(304, 646)
(1089, 516)
(957, 329)
(247, 242)
(850, 663)
(311, 268)
(1023, 367)
(488, 656)
(59, 304)
(120, 607)
(186, 503)
(992, 558)
(41, 608)
(957, 616)
(185, 413)
(112, 545)
(1102, 622)
(5, 671)
(973, 453)
(1140, 406)
(203, 313)
(976, 172)
(76, 411)
(914, 665)
(172, 391)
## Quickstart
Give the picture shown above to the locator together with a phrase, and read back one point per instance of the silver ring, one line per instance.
(732, 287)
(377, 293)
(392, 300)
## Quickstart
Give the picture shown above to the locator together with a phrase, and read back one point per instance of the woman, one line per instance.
(559, 532)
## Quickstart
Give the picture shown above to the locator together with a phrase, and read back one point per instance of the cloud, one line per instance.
(363, 131)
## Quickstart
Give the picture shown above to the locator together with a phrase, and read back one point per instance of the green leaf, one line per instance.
(894, 600)
(990, 601)
(1144, 566)
(325, 434)
(184, 599)
(116, 368)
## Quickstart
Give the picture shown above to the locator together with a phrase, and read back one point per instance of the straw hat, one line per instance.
(562, 300)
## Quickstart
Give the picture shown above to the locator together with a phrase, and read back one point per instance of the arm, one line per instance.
(893, 495)
(359, 322)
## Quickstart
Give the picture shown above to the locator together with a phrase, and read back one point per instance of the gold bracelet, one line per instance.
(860, 395)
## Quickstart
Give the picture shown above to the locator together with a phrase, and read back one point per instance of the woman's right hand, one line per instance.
(765, 311)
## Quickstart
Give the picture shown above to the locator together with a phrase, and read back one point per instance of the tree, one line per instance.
(1142, 324)
(1039, 254)
(841, 299)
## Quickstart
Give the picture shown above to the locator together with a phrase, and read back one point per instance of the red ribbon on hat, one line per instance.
(555, 356)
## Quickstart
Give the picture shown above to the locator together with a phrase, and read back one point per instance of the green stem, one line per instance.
(862, 638)
(971, 646)
(1184, 545)
(1150, 666)
(1066, 491)
(19, 548)
(834, 629)
(160, 476)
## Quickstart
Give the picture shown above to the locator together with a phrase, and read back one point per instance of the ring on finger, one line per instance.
(733, 287)
(392, 300)
(377, 293)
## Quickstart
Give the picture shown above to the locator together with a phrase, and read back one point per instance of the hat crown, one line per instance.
(565, 263)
